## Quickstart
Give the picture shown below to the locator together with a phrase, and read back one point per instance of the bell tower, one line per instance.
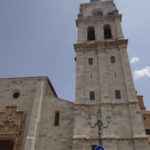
(104, 81)
(102, 68)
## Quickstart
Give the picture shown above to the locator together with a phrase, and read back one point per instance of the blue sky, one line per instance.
(37, 36)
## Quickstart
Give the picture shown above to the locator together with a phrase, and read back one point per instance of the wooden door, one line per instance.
(6, 145)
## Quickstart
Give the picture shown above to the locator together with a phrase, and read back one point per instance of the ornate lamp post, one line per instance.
(99, 124)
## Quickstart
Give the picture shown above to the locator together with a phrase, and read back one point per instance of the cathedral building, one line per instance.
(106, 110)
(146, 116)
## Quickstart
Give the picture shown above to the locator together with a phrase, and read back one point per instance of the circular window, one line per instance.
(16, 95)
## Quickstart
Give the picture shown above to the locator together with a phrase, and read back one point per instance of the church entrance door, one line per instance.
(6, 145)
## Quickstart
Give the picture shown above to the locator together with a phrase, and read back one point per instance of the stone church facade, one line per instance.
(106, 110)
(146, 116)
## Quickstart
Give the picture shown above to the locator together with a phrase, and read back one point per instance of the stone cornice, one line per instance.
(108, 44)
(110, 138)
(106, 104)
(97, 18)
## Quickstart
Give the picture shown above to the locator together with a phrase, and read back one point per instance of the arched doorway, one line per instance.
(6, 145)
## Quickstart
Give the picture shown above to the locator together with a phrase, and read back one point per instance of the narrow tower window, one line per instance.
(115, 74)
(112, 59)
(90, 61)
(90, 34)
(91, 75)
(92, 95)
(57, 118)
(117, 94)
(107, 32)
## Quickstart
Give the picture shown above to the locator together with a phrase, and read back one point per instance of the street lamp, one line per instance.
(99, 124)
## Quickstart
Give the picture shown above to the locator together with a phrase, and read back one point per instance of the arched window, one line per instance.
(90, 34)
(118, 94)
(92, 95)
(90, 61)
(112, 59)
(107, 32)
(57, 118)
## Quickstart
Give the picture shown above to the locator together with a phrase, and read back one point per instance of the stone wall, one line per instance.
(36, 98)
(51, 136)
(146, 115)
(27, 89)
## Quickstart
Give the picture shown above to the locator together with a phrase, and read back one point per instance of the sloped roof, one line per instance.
(34, 78)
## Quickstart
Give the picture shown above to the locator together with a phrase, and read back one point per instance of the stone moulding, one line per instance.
(109, 138)
(88, 19)
(12, 125)
(107, 103)
(110, 44)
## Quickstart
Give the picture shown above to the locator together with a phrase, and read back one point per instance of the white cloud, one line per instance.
(142, 73)
(134, 60)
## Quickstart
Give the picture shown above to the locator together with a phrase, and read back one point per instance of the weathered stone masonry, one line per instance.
(33, 117)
